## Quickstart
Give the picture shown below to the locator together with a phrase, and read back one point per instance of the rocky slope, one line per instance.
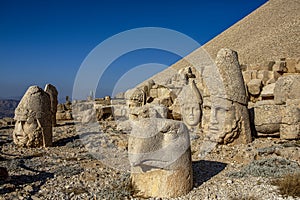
(270, 32)
(7, 107)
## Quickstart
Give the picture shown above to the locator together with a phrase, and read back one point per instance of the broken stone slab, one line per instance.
(268, 91)
(290, 126)
(287, 87)
(267, 117)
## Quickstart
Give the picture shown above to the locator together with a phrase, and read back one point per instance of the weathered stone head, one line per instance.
(160, 158)
(135, 98)
(190, 101)
(33, 119)
(52, 91)
(225, 114)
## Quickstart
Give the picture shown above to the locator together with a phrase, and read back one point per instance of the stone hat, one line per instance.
(231, 84)
(35, 104)
(190, 93)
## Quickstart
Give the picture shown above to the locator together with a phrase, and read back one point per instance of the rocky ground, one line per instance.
(76, 168)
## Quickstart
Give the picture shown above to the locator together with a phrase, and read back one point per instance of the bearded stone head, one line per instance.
(33, 119)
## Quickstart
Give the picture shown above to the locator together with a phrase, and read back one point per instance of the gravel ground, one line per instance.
(74, 169)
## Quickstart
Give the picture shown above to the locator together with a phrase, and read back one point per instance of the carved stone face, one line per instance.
(28, 133)
(33, 119)
(158, 144)
(219, 119)
(191, 113)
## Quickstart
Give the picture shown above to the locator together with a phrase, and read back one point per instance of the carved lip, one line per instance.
(213, 129)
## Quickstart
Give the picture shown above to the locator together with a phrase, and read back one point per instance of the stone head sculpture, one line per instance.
(160, 156)
(33, 119)
(136, 98)
(190, 101)
(52, 91)
(225, 114)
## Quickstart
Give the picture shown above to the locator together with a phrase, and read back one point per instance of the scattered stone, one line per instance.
(271, 167)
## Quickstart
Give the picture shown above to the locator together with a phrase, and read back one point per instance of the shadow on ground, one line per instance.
(18, 181)
(64, 141)
(203, 170)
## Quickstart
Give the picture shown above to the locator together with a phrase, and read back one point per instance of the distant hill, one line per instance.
(269, 33)
(7, 107)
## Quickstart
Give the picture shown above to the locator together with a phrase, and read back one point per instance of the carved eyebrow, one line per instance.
(222, 107)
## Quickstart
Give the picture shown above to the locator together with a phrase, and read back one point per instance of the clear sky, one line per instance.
(46, 41)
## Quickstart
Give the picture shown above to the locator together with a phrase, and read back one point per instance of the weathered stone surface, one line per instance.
(273, 77)
(120, 95)
(268, 91)
(33, 119)
(254, 86)
(225, 114)
(263, 75)
(290, 127)
(267, 117)
(280, 66)
(52, 91)
(160, 157)
(287, 87)
(249, 75)
(291, 64)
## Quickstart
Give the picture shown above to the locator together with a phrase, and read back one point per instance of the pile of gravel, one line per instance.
(269, 167)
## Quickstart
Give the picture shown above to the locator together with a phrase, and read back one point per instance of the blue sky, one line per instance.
(46, 41)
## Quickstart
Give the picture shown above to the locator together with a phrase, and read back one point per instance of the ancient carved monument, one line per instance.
(160, 157)
(225, 114)
(159, 148)
(52, 91)
(33, 119)
(190, 101)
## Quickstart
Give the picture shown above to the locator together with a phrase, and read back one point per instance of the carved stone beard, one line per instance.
(28, 135)
(230, 135)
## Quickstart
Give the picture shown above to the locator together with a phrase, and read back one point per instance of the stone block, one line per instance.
(254, 86)
(267, 117)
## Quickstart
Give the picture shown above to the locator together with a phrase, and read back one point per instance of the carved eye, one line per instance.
(206, 107)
